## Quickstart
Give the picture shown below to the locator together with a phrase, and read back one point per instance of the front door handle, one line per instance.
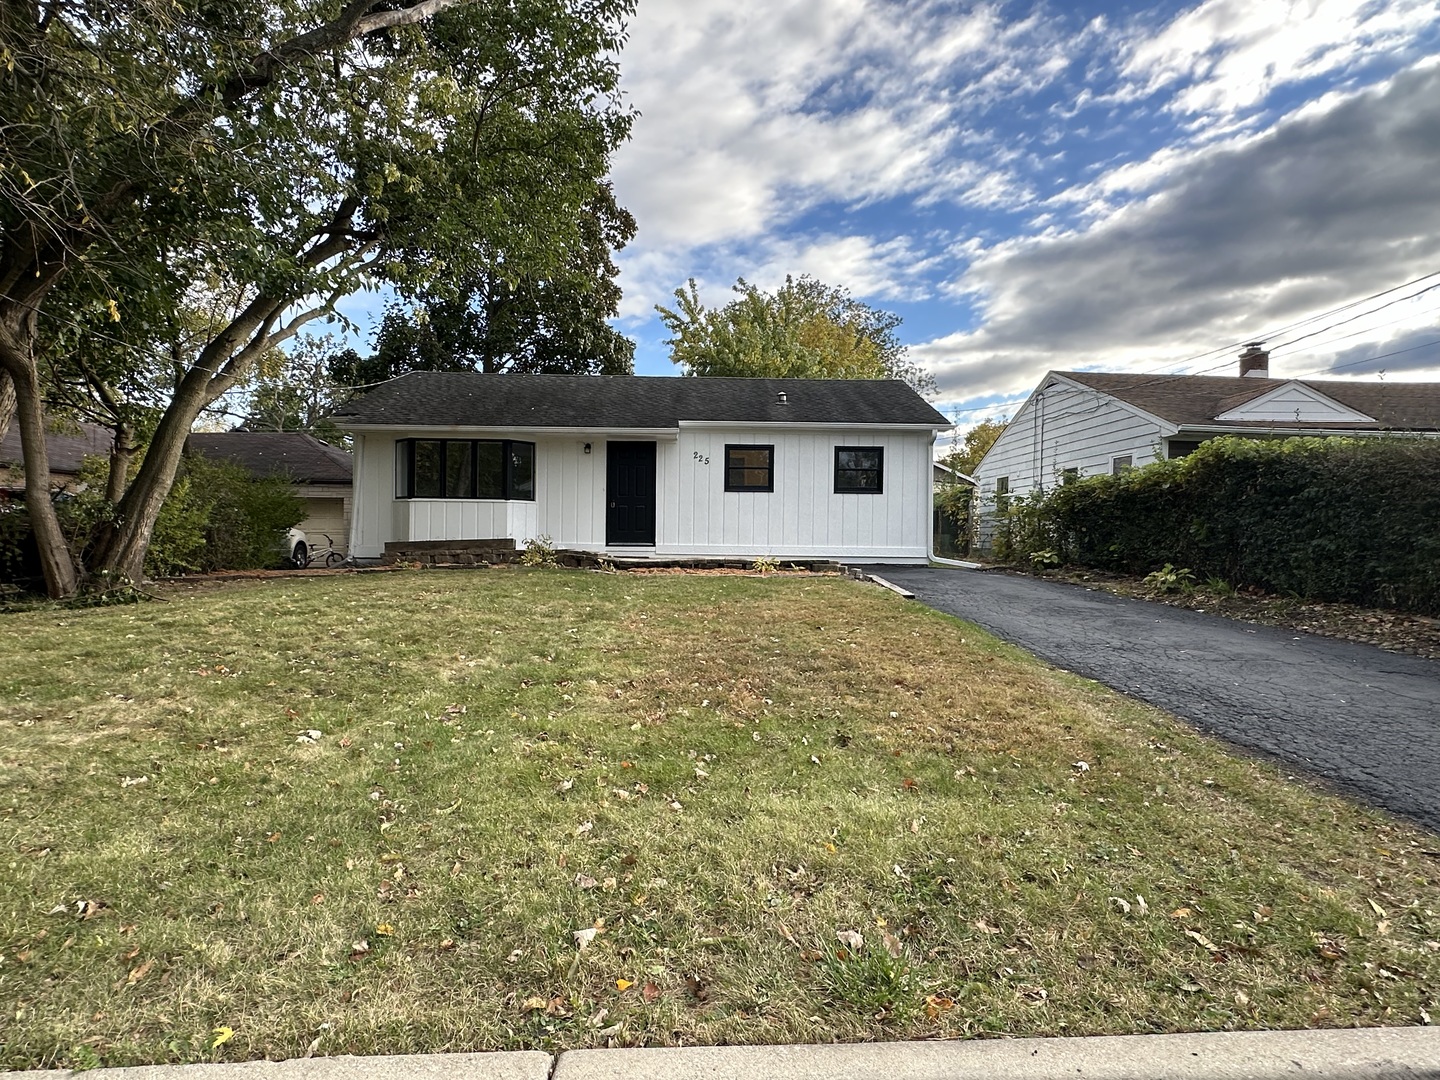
(612, 506)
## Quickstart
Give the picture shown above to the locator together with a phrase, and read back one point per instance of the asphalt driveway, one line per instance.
(1366, 720)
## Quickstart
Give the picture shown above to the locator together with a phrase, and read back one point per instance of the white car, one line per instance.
(296, 549)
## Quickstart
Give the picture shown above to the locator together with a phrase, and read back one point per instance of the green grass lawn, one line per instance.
(715, 775)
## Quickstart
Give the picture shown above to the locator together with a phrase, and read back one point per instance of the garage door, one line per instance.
(325, 516)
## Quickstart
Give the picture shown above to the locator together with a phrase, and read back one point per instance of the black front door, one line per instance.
(630, 493)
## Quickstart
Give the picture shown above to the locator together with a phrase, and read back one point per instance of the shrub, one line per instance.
(539, 551)
(1325, 519)
(216, 517)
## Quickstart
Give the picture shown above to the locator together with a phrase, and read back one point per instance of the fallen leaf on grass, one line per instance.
(583, 938)
(650, 992)
(985, 928)
(138, 973)
(623, 984)
(935, 1004)
(892, 945)
(385, 929)
(1121, 903)
(851, 939)
(1201, 940)
(585, 881)
(358, 949)
(1181, 913)
(698, 990)
(1377, 909)
(222, 1036)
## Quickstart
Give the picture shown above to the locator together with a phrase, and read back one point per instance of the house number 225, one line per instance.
(703, 459)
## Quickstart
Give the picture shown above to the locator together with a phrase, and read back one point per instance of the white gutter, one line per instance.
(833, 425)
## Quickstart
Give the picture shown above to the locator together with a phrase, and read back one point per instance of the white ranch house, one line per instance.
(1086, 423)
(637, 466)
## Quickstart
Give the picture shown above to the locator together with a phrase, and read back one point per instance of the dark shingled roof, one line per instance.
(1195, 400)
(465, 399)
(302, 458)
(66, 448)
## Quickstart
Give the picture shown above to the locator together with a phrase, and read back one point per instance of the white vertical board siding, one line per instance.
(377, 517)
(803, 516)
(1061, 428)
(570, 491)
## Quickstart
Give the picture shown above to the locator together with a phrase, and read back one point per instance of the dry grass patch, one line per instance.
(714, 775)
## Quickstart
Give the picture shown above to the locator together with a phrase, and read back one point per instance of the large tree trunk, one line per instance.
(119, 550)
(61, 577)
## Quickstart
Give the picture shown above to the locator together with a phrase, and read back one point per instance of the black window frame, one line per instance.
(1121, 464)
(769, 449)
(511, 489)
(879, 471)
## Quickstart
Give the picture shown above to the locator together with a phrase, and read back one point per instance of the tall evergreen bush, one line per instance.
(1328, 519)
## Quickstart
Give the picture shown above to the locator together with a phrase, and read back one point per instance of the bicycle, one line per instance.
(305, 556)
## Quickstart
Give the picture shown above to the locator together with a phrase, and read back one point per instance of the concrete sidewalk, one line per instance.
(1346, 1054)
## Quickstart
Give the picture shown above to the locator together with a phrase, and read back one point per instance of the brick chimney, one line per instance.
(1255, 361)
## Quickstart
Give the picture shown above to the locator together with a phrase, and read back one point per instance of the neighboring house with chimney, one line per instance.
(1088, 423)
(320, 472)
(67, 450)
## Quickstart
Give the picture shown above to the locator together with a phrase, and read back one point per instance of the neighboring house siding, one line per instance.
(1062, 427)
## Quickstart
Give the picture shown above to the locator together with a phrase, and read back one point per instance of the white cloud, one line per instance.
(754, 113)
(1235, 239)
(1231, 54)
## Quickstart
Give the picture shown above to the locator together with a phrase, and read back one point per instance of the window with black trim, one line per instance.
(1122, 464)
(749, 468)
(465, 469)
(859, 470)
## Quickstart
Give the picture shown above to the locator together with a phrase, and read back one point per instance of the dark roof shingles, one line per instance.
(300, 457)
(1196, 400)
(464, 399)
(66, 449)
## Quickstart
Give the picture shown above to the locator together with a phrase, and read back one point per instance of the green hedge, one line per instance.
(1326, 519)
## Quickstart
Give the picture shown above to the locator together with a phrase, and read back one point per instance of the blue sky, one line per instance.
(1035, 186)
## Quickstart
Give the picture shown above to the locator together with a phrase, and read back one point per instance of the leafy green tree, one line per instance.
(261, 160)
(803, 330)
(556, 323)
(978, 440)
